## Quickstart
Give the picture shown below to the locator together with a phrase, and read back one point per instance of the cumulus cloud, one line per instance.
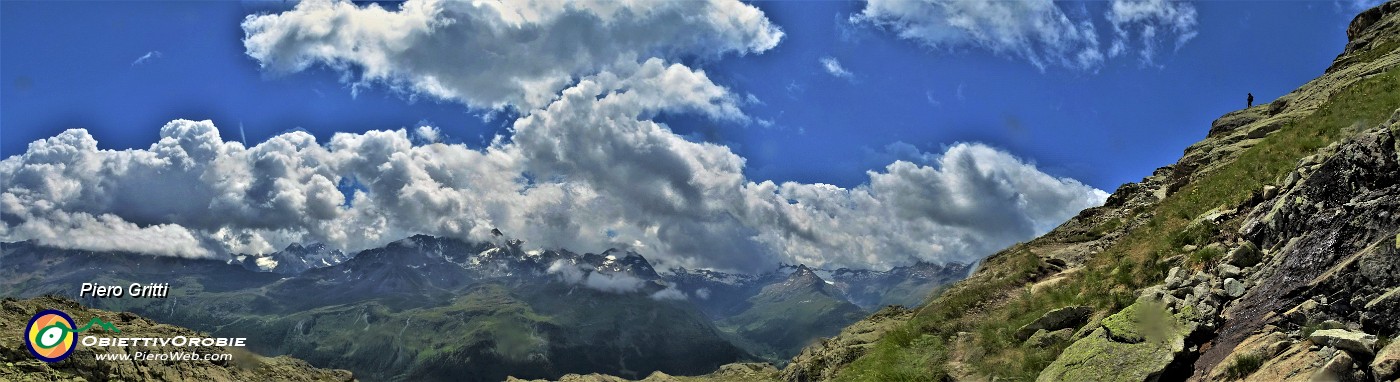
(1039, 31)
(585, 165)
(687, 203)
(428, 133)
(499, 54)
(833, 67)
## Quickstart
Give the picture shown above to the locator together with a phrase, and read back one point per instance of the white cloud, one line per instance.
(499, 54)
(613, 282)
(1144, 19)
(1038, 31)
(1350, 8)
(687, 203)
(585, 165)
(834, 68)
(670, 293)
(146, 57)
(428, 133)
(607, 282)
(568, 273)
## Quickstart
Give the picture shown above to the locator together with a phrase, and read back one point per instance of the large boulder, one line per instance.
(1386, 366)
(1233, 288)
(1302, 313)
(1067, 317)
(1244, 256)
(1260, 348)
(1355, 342)
(1336, 369)
(1154, 338)
(1234, 120)
(1043, 338)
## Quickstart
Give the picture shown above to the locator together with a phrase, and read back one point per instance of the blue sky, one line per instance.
(1104, 127)
(122, 70)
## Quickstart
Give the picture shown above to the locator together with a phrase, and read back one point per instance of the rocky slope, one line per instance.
(16, 364)
(1268, 252)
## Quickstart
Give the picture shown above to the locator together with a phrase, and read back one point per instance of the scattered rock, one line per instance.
(1176, 276)
(1336, 369)
(1244, 256)
(1227, 270)
(1356, 342)
(1043, 338)
(1217, 292)
(1066, 317)
(1270, 192)
(1386, 366)
(1300, 314)
(1200, 278)
(746, 371)
(1216, 215)
(1233, 288)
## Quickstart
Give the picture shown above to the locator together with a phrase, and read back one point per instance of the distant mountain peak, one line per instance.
(804, 278)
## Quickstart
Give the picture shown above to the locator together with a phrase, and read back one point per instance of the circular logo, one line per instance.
(50, 336)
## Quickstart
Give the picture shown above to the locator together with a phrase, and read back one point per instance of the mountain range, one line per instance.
(431, 308)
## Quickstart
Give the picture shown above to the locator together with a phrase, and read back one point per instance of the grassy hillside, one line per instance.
(785, 323)
(16, 364)
(967, 330)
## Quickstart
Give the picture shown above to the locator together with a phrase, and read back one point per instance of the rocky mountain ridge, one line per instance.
(1266, 253)
(524, 310)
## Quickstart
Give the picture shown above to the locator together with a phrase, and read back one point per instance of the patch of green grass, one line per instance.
(1200, 233)
(1108, 226)
(995, 302)
(1205, 256)
(1243, 365)
(1097, 232)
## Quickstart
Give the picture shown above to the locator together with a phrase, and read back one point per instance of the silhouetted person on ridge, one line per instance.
(1250, 101)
